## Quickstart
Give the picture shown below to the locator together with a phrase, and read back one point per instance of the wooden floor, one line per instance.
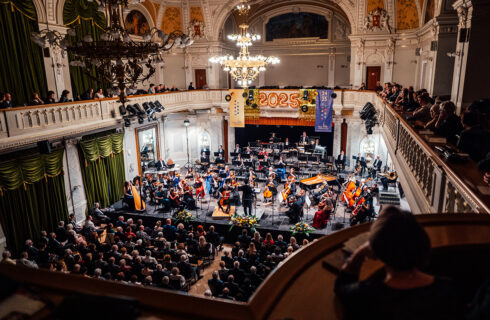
(201, 285)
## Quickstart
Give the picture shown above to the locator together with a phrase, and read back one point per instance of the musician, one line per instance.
(389, 177)
(295, 211)
(199, 187)
(237, 149)
(263, 152)
(248, 151)
(206, 150)
(273, 138)
(292, 180)
(322, 216)
(317, 195)
(214, 185)
(160, 164)
(160, 197)
(270, 190)
(376, 166)
(341, 161)
(360, 163)
(286, 144)
(247, 197)
(251, 175)
(224, 199)
(281, 168)
(204, 158)
(235, 195)
(220, 158)
(188, 197)
(304, 140)
(364, 207)
(174, 198)
(267, 163)
(221, 151)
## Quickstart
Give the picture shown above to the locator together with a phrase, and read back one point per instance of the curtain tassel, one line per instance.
(45, 178)
(25, 186)
(12, 6)
(86, 163)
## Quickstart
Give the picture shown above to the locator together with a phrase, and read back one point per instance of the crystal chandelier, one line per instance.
(245, 68)
(117, 58)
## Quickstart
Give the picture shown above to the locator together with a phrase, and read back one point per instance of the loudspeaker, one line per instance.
(463, 34)
(337, 226)
(44, 147)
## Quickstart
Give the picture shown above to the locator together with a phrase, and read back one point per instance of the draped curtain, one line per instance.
(32, 196)
(21, 66)
(84, 17)
(103, 168)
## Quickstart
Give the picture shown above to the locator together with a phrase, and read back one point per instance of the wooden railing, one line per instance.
(300, 288)
(437, 186)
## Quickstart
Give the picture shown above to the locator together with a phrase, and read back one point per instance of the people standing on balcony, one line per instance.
(35, 100)
(50, 98)
(191, 86)
(449, 124)
(405, 292)
(6, 101)
(99, 94)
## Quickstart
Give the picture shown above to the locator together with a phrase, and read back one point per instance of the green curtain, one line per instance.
(21, 66)
(103, 168)
(86, 20)
(32, 196)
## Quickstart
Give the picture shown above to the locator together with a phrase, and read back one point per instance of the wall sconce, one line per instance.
(453, 54)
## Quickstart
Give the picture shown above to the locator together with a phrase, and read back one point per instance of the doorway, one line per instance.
(373, 75)
(200, 78)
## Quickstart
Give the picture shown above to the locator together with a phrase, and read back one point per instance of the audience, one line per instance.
(404, 292)
(50, 98)
(6, 101)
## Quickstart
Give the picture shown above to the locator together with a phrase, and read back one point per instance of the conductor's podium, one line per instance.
(218, 214)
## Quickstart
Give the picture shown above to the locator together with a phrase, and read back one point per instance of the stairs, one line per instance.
(389, 198)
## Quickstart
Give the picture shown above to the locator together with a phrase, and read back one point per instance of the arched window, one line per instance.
(204, 140)
(297, 25)
(368, 149)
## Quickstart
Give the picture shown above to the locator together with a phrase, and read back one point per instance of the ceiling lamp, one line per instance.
(117, 58)
(244, 68)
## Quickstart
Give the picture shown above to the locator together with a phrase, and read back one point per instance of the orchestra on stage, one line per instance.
(283, 176)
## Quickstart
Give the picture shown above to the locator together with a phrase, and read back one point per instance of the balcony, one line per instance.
(300, 288)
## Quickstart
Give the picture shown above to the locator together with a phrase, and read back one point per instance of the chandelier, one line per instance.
(245, 68)
(117, 58)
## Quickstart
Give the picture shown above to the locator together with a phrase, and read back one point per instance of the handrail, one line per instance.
(294, 290)
(480, 202)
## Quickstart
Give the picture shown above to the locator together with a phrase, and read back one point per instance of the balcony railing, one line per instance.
(442, 186)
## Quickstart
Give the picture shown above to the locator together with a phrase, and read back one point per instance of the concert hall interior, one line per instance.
(244, 159)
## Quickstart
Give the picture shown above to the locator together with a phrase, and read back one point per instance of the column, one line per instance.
(331, 68)
(471, 64)
(443, 64)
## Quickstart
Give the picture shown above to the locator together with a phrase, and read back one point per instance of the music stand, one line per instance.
(234, 154)
(245, 156)
(216, 154)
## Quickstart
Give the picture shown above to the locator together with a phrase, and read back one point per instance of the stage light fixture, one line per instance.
(122, 110)
(247, 102)
(305, 95)
(228, 98)
(158, 106)
(255, 106)
(244, 94)
(333, 95)
(131, 110)
(251, 95)
(304, 108)
(141, 120)
(127, 122)
(186, 122)
(138, 108)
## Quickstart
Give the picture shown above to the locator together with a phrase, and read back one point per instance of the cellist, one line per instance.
(224, 198)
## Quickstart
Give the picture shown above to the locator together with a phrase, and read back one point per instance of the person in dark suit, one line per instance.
(216, 285)
(376, 166)
(191, 86)
(61, 232)
(360, 162)
(363, 86)
(473, 140)
(449, 124)
(237, 149)
(296, 210)
(303, 140)
(204, 158)
(341, 161)
(247, 197)
(50, 98)
(6, 102)
(160, 164)
(221, 150)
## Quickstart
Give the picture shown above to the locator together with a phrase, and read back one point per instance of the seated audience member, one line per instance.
(99, 215)
(6, 101)
(65, 96)
(363, 86)
(434, 115)
(422, 113)
(379, 88)
(24, 260)
(88, 95)
(35, 100)
(6, 258)
(50, 98)
(191, 86)
(99, 94)
(448, 124)
(176, 279)
(215, 285)
(174, 88)
(473, 139)
(405, 292)
(151, 89)
(395, 91)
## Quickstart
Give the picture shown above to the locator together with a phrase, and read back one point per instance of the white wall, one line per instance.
(405, 65)
(298, 70)
(173, 70)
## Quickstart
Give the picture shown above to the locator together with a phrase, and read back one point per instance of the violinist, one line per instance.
(214, 185)
(188, 197)
(322, 216)
(251, 176)
(364, 207)
(296, 208)
(199, 187)
(160, 197)
(175, 199)
(292, 180)
(322, 190)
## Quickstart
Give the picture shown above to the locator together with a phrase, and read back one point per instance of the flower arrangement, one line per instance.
(301, 227)
(243, 222)
(183, 216)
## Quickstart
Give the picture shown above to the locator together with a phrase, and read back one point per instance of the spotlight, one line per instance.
(304, 108)
(141, 119)
(131, 110)
(227, 98)
(122, 110)
(158, 106)
(127, 121)
(138, 108)
(186, 122)
(333, 95)
(251, 95)
(255, 106)
(247, 102)
(244, 94)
